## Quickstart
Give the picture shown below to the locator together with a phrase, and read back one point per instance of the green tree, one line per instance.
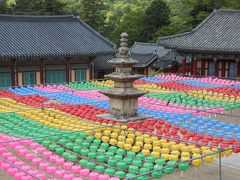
(54, 7)
(157, 15)
(116, 12)
(39, 7)
(91, 11)
(29, 7)
(3, 6)
(132, 23)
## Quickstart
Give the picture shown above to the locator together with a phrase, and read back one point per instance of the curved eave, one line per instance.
(58, 55)
(202, 51)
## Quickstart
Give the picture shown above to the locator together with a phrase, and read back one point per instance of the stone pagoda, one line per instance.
(123, 96)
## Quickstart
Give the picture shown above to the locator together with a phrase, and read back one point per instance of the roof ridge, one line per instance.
(33, 16)
(215, 11)
(192, 31)
(141, 54)
(97, 33)
(150, 44)
(229, 10)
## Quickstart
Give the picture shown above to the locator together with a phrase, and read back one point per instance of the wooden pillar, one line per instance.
(91, 68)
(194, 66)
(215, 67)
(88, 74)
(43, 71)
(184, 62)
(223, 68)
(14, 72)
(238, 67)
(203, 68)
(68, 70)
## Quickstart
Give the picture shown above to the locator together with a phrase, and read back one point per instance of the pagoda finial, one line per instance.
(123, 49)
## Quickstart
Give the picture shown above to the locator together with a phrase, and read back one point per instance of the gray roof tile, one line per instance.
(219, 33)
(49, 36)
(101, 62)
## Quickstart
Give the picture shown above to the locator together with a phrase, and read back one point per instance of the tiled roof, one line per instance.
(144, 59)
(101, 62)
(219, 33)
(148, 48)
(49, 36)
(145, 53)
(149, 52)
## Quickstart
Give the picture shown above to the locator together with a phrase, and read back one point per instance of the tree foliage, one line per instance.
(156, 16)
(39, 7)
(91, 11)
(144, 20)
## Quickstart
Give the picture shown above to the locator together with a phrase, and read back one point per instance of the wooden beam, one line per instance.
(215, 60)
(184, 62)
(238, 66)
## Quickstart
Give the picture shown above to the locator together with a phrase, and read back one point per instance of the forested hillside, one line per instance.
(144, 20)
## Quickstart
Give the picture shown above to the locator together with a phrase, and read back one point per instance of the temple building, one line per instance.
(48, 49)
(150, 56)
(214, 45)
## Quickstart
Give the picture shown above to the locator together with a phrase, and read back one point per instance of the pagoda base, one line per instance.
(138, 117)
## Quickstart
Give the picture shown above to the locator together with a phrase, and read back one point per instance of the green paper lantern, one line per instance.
(62, 142)
(133, 169)
(127, 160)
(76, 149)
(131, 154)
(118, 157)
(93, 148)
(130, 175)
(71, 137)
(168, 170)
(121, 165)
(140, 156)
(183, 166)
(96, 142)
(137, 162)
(120, 174)
(109, 154)
(100, 168)
(72, 158)
(91, 165)
(156, 175)
(101, 159)
(121, 151)
(148, 165)
(142, 178)
(82, 135)
(66, 155)
(90, 139)
(112, 162)
(160, 161)
(101, 151)
(52, 147)
(59, 151)
(86, 145)
(69, 145)
(144, 170)
(109, 171)
(92, 155)
(84, 152)
(78, 141)
(150, 159)
(46, 143)
(105, 146)
(113, 149)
